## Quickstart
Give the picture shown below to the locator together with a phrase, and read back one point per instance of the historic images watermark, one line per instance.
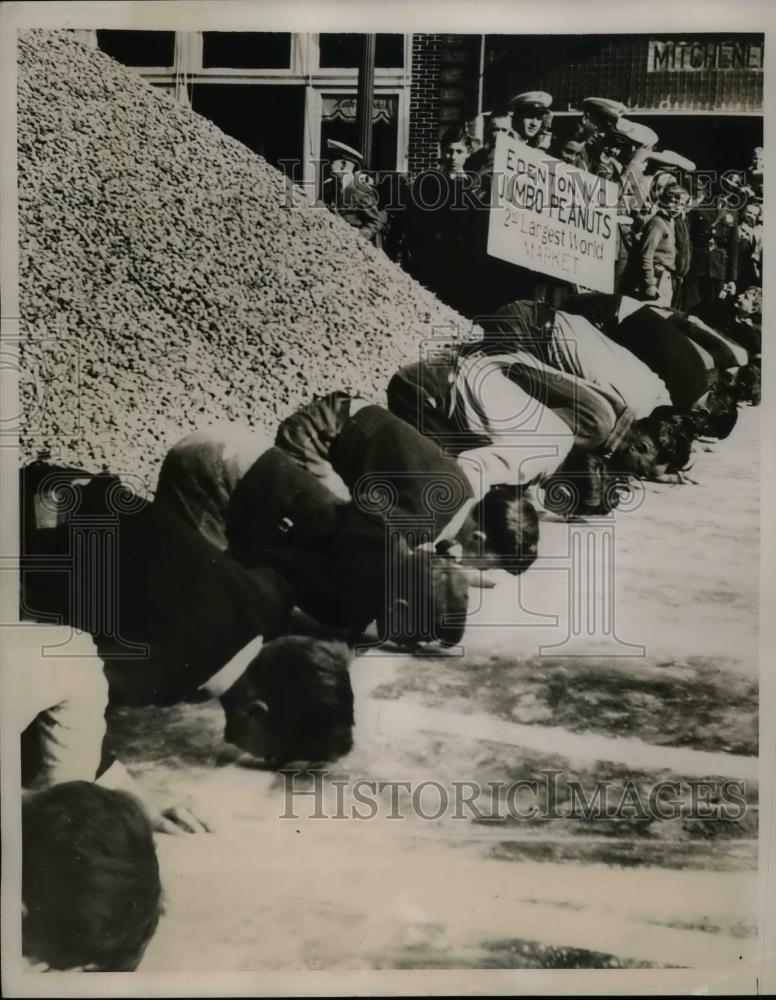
(434, 190)
(550, 794)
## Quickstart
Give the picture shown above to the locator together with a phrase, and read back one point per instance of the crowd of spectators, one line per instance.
(686, 237)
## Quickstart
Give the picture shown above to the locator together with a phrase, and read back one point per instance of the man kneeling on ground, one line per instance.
(346, 567)
(454, 502)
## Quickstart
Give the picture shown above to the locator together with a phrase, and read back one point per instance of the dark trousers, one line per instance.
(420, 395)
(700, 290)
(657, 342)
(720, 351)
(413, 393)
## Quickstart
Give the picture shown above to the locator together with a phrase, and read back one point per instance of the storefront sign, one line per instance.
(694, 57)
(552, 218)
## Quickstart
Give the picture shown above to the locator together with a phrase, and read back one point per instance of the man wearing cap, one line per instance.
(348, 196)
(599, 117)
(602, 112)
(635, 140)
(528, 115)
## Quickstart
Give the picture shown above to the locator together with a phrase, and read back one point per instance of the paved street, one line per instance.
(554, 891)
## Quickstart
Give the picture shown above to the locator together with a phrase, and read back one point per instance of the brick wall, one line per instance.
(424, 103)
(572, 67)
(444, 92)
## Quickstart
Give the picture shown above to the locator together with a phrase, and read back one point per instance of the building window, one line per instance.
(268, 119)
(139, 48)
(343, 51)
(246, 50)
(338, 121)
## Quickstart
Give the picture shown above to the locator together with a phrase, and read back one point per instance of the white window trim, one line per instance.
(304, 71)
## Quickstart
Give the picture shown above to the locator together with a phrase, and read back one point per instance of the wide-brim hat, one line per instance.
(530, 99)
(344, 152)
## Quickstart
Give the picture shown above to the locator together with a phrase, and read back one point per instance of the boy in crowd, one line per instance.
(714, 235)
(653, 278)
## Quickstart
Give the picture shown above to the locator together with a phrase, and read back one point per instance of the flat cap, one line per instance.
(503, 122)
(603, 107)
(343, 151)
(668, 158)
(635, 132)
(531, 99)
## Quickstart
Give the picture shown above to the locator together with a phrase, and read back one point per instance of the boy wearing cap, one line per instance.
(653, 279)
(599, 117)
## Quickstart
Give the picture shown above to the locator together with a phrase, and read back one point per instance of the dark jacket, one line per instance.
(190, 605)
(358, 205)
(443, 220)
(714, 238)
(683, 246)
(372, 447)
(308, 434)
(283, 516)
(377, 453)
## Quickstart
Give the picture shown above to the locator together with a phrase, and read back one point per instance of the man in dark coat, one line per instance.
(442, 500)
(714, 261)
(283, 513)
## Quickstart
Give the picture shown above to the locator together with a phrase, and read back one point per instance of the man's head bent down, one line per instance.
(293, 703)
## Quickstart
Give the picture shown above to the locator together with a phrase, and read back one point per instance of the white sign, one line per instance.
(551, 217)
(701, 55)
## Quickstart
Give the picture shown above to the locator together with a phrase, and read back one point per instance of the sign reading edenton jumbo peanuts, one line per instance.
(699, 55)
(551, 217)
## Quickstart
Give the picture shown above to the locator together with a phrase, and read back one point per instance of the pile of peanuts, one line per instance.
(170, 278)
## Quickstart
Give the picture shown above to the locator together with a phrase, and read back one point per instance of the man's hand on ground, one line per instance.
(178, 820)
(677, 479)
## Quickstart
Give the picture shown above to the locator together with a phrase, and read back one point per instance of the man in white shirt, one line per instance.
(57, 687)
